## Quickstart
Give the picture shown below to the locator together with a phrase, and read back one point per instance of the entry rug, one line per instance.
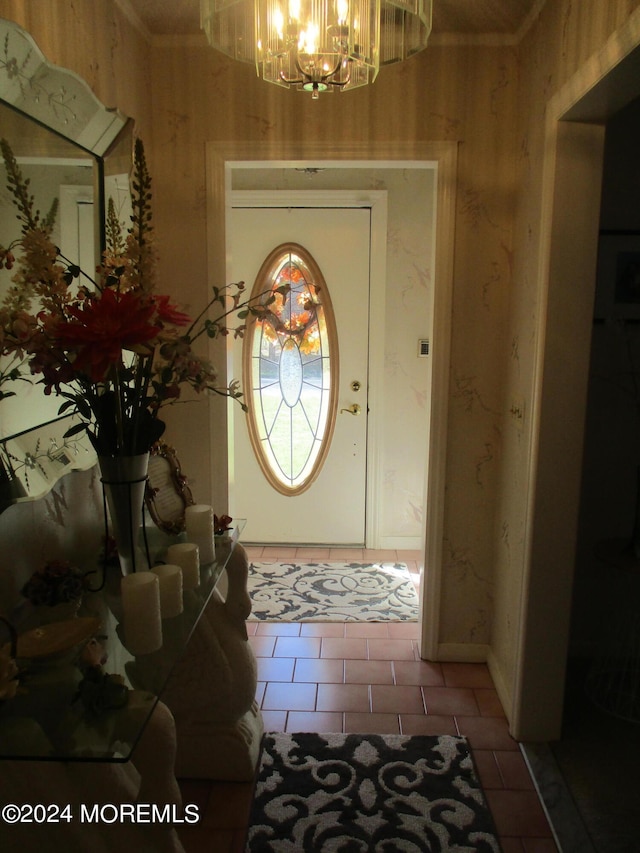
(363, 793)
(332, 592)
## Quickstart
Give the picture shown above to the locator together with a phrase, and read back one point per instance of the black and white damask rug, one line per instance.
(364, 793)
(332, 592)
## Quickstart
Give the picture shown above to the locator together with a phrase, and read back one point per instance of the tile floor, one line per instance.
(368, 677)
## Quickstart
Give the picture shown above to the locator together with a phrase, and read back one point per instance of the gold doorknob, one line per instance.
(354, 409)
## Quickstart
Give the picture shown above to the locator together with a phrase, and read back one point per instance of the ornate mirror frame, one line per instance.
(57, 129)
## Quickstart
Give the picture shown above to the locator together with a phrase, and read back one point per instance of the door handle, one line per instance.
(354, 409)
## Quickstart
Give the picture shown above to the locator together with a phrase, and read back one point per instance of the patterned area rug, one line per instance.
(362, 793)
(332, 592)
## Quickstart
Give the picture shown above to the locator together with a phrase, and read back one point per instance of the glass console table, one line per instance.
(92, 701)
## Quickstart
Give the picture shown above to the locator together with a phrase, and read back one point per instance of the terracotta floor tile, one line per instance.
(367, 629)
(278, 629)
(254, 552)
(487, 767)
(425, 673)
(289, 697)
(348, 555)
(489, 703)
(279, 552)
(314, 721)
(368, 677)
(380, 556)
(514, 770)
(368, 672)
(313, 554)
(413, 554)
(512, 845)
(391, 650)
(425, 724)
(389, 699)
(518, 813)
(404, 630)
(343, 697)
(353, 649)
(297, 647)
(275, 669)
(263, 646)
(322, 629)
(319, 670)
(466, 675)
(450, 700)
(486, 732)
(274, 721)
(538, 845)
(382, 724)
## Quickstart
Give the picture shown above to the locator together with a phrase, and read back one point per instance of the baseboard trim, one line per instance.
(504, 693)
(401, 543)
(463, 652)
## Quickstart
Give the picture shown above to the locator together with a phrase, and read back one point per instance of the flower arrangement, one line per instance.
(221, 524)
(115, 350)
(58, 582)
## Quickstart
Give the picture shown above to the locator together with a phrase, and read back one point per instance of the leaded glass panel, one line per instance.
(290, 366)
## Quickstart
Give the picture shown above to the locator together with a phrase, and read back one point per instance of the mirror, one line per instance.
(74, 149)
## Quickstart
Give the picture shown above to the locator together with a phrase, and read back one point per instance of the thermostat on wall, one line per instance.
(423, 347)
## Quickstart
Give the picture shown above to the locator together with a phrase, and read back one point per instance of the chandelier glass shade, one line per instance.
(317, 45)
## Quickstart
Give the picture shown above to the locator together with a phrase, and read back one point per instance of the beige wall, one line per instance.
(201, 96)
(490, 99)
(94, 39)
(555, 51)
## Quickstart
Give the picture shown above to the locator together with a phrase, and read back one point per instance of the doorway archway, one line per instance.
(221, 158)
(566, 284)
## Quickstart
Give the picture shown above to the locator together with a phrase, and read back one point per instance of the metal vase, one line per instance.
(124, 480)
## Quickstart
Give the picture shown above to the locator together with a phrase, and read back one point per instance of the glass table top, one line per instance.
(83, 695)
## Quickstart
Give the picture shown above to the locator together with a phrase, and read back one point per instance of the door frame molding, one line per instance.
(572, 168)
(376, 202)
(220, 159)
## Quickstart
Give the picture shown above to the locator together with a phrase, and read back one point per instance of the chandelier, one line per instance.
(317, 45)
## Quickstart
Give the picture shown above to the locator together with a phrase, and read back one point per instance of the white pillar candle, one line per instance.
(141, 612)
(199, 524)
(170, 579)
(187, 556)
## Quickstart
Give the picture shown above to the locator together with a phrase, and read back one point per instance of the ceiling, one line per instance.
(459, 17)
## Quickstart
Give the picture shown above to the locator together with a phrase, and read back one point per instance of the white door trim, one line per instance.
(222, 158)
(376, 201)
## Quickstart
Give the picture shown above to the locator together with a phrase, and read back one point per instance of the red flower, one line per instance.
(168, 313)
(105, 326)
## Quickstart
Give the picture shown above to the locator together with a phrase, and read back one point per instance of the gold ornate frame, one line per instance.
(332, 334)
(167, 493)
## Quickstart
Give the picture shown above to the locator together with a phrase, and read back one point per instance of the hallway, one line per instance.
(368, 677)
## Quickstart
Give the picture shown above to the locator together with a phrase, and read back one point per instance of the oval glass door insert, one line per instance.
(290, 369)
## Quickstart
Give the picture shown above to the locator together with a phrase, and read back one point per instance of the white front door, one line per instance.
(333, 508)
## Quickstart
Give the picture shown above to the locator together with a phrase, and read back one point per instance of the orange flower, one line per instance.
(103, 327)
